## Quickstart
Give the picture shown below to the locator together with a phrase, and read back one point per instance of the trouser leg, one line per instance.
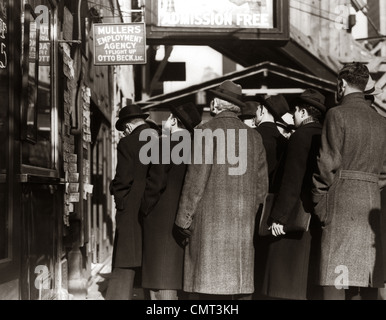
(369, 293)
(362, 293)
(121, 284)
(163, 295)
(332, 293)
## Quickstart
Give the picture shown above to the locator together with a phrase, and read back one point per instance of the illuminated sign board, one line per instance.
(181, 21)
(216, 13)
(119, 43)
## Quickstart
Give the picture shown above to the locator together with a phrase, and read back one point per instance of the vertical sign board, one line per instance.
(44, 45)
(3, 35)
(119, 43)
(4, 97)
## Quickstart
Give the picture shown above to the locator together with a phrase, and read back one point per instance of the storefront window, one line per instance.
(37, 145)
(4, 96)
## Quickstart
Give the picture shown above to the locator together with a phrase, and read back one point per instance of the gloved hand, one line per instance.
(181, 235)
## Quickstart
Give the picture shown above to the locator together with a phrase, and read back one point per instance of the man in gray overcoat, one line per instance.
(219, 202)
(352, 169)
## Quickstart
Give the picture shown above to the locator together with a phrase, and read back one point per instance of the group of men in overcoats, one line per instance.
(192, 226)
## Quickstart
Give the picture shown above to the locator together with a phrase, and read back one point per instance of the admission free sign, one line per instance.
(119, 43)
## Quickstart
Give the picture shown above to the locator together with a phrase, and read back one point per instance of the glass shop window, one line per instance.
(4, 98)
(37, 110)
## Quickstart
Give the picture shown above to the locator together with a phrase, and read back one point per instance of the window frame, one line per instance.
(31, 171)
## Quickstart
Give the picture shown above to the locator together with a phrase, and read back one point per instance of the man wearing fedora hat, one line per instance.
(127, 188)
(162, 269)
(351, 172)
(286, 275)
(267, 117)
(219, 209)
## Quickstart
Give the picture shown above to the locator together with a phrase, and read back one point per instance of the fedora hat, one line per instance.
(188, 114)
(231, 92)
(277, 106)
(371, 88)
(312, 97)
(129, 112)
(249, 110)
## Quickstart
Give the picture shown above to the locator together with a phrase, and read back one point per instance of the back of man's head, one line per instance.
(224, 105)
(356, 75)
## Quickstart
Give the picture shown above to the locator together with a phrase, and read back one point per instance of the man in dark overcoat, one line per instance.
(286, 275)
(163, 252)
(220, 200)
(352, 169)
(127, 188)
(268, 116)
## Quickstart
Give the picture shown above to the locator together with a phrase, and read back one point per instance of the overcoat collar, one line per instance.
(268, 125)
(227, 114)
(353, 98)
(138, 129)
(311, 125)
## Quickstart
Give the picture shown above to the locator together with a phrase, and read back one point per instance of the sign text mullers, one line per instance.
(119, 44)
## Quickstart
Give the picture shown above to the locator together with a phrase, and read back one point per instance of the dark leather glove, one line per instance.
(181, 235)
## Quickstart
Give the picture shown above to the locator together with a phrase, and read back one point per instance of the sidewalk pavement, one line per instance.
(98, 282)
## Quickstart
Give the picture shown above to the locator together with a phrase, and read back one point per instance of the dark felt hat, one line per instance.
(129, 112)
(231, 92)
(249, 110)
(188, 114)
(277, 106)
(314, 98)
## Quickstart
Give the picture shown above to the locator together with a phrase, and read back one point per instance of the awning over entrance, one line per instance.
(263, 78)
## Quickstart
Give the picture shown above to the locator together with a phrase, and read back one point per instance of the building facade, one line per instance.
(57, 159)
(58, 109)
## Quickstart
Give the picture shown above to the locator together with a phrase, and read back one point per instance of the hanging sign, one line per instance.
(119, 43)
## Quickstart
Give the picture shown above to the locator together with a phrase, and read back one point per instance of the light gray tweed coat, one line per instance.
(220, 209)
(352, 167)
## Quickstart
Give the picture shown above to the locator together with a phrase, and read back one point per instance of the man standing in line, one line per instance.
(352, 169)
(288, 260)
(163, 254)
(219, 205)
(127, 188)
(267, 116)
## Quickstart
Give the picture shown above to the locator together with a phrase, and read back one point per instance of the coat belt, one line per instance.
(359, 175)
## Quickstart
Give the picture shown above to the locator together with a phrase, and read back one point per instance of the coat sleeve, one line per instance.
(294, 171)
(197, 176)
(263, 174)
(330, 158)
(121, 185)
